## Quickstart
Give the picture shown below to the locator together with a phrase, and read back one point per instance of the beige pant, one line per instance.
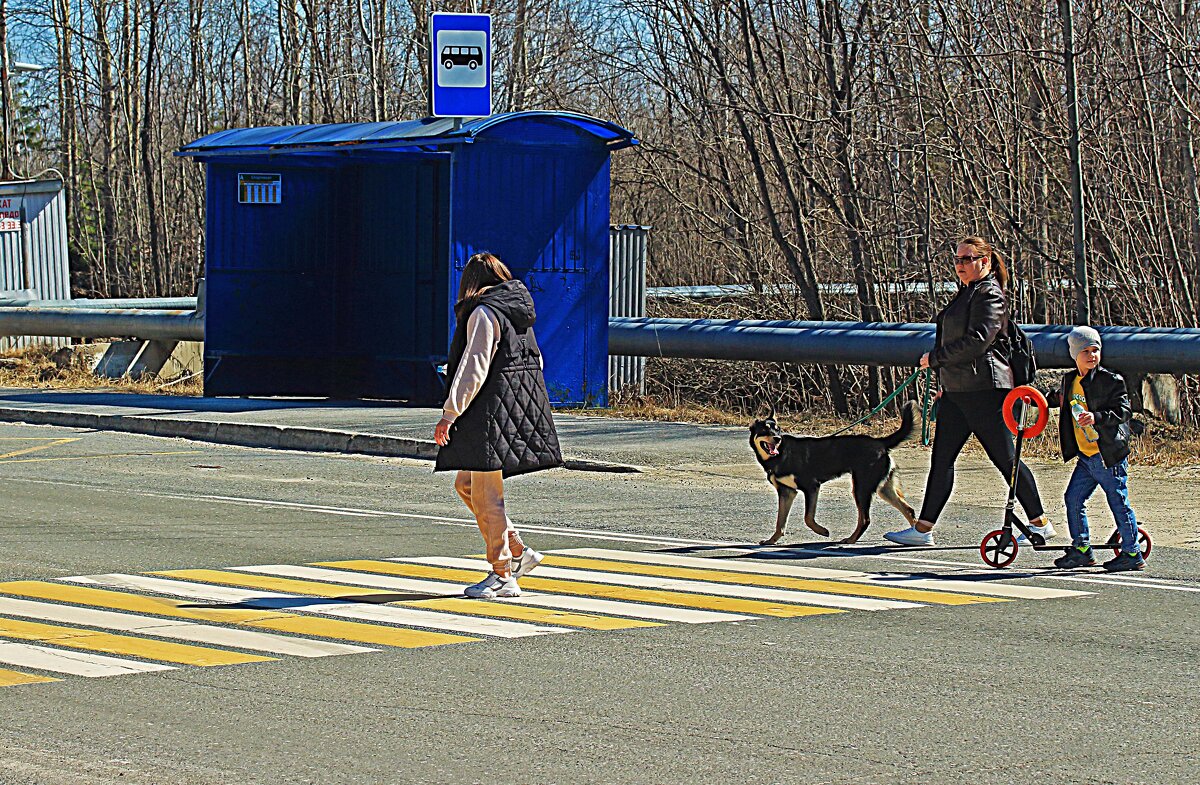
(483, 493)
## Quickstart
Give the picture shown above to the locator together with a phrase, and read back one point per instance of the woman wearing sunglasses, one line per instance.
(974, 380)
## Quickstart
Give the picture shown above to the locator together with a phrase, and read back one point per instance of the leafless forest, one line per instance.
(786, 144)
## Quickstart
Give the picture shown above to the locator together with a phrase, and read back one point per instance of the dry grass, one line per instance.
(45, 368)
(1161, 444)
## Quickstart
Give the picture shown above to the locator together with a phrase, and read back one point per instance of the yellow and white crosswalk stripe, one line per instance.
(651, 579)
(240, 592)
(109, 643)
(115, 624)
(451, 598)
(265, 619)
(987, 587)
(167, 628)
(385, 613)
(471, 570)
(716, 574)
(661, 613)
(73, 663)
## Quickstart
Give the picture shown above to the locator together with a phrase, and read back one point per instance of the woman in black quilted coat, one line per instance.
(974, 380)
(496, 421)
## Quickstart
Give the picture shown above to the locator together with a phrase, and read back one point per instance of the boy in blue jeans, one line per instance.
(1094, 426)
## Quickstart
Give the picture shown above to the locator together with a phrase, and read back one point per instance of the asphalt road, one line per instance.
(1098, 686)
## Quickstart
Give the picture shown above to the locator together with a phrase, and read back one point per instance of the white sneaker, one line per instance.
(909, 536)
(1047, 532)
(493, 586)
(524, 565)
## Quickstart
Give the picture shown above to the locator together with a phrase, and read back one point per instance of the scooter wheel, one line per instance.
(1144, 544)
(995, 554)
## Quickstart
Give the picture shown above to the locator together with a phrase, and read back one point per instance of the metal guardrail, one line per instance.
(103, 323)
(138, 303)
(1130, 349)
(737, 290)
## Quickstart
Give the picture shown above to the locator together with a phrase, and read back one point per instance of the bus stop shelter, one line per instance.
(333, 252)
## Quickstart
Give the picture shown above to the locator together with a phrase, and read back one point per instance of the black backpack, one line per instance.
(1014, 345)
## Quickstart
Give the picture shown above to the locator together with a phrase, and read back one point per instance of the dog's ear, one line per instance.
(771, 415)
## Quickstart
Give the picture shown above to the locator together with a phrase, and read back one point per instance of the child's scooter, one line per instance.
(999, 548)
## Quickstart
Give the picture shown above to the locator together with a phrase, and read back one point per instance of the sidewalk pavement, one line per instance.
(365, 427)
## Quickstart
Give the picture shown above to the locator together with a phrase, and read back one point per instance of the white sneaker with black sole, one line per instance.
(909, 536)
(493, 587)
(1046, 530)
(524, 564)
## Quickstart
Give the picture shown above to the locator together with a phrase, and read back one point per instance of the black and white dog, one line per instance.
(800, 464)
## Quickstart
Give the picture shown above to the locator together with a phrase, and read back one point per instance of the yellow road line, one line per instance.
(10, 678)
(585, 621)
(146, 648)
(106, 455)
(54, 443)
(779, 582)
(581, 588)
(268, 620)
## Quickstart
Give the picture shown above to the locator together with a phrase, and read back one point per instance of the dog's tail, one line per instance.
(907, 418)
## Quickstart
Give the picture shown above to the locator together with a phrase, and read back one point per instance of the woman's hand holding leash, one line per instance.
(441, 432)
(924, 364)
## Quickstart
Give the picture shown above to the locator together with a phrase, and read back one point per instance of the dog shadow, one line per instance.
(812, 550)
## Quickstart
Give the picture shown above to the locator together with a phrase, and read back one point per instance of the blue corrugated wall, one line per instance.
(337, 291)
(541, 203)
(270, 322)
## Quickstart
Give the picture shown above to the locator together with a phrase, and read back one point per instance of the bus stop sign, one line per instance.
(461, 50)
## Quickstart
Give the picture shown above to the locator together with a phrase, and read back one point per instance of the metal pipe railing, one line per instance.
(107, 323)
(11, 299)
(892, 326)
(1130, 349)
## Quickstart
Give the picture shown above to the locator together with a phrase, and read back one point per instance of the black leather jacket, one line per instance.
(966, 328)
(1107, 399)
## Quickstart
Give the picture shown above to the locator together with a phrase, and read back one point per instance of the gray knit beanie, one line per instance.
(1081, 338)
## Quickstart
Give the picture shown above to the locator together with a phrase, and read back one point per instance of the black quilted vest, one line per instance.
(508, 425)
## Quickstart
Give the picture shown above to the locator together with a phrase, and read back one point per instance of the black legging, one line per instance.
(960, 415)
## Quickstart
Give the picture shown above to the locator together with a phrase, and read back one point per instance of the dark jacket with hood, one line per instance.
(964, 352)
(1107, 399)
(508, 426)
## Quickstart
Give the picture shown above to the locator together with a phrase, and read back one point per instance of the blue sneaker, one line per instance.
(1075, 557)
(1126, 562)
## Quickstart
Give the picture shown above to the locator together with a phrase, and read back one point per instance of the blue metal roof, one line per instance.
(430, 133)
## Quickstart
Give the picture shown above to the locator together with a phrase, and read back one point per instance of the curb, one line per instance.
(272, 437)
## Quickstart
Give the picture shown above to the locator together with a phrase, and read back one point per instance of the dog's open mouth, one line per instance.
(770, 446)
